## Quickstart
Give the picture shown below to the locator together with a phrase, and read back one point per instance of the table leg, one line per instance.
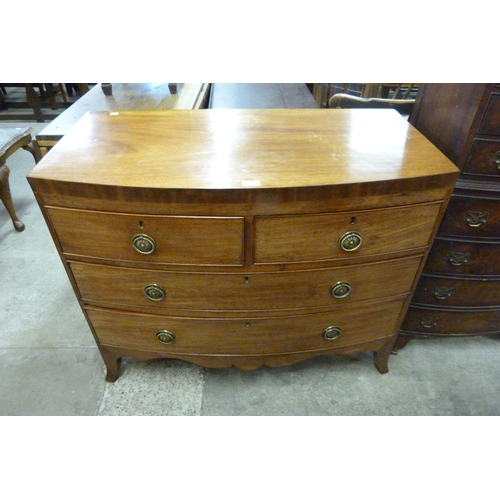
(34, 149)
(7, 199)
(34, 102)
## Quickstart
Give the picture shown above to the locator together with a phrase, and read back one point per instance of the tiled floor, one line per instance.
(49, 364)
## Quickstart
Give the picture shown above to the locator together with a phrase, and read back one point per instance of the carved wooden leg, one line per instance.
(112, 364)
(7, 199)
(382, 357)
(34, 149)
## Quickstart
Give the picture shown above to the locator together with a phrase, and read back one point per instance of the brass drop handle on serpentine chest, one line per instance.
(331, 333)
(155, 292)
(350, 241)
(165, 337)
(497, 159)
(144, 244)
(476, 218)
(458, 258)
(428, 321)
(442, 292)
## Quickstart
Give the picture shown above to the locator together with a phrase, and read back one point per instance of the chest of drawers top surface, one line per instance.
(241, 149)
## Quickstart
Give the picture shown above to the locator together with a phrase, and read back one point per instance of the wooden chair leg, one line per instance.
(34, 102)
(7, 199)
(63, 92)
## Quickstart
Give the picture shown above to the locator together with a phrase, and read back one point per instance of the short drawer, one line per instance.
(472, 217)
(491, 120)
(141, 289)
(169, 239)
(484, 159)
(457, 292)
(463, 258)
(317, 237)
(435, 322)
(251, 336)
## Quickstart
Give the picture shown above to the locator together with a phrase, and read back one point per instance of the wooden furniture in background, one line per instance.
(346, 101)
(323, 92)
(38, 97)
(124, 97)
(387, 90)
(12, 139)
(459, 292)
(243, 237)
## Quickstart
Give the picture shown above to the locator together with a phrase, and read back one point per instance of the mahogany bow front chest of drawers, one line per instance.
(243, 237)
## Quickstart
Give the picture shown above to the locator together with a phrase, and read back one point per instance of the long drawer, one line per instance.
(150, 239)
(457, 292)
(303, 238)
(161, 290)
(436, 322)
(251, 336)
(463, 258)
(472, 217)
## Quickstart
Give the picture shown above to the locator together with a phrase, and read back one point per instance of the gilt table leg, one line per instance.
(7, 198)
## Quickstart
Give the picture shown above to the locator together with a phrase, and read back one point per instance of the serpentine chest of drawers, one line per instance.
(459, 291)
(243, 237)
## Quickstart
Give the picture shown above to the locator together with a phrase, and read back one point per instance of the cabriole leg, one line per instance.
(7, 199)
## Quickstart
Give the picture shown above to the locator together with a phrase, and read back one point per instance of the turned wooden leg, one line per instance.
(7, 199)
(112, 363)
(382, 357)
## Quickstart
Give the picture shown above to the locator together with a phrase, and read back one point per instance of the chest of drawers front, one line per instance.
(306, 263)
(459, 292)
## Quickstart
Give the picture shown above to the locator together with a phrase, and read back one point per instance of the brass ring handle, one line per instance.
(155, 292)
(350, 241)
(144, 244)
(340, 290)
(475, 218)
(331, 333)
(165, 337)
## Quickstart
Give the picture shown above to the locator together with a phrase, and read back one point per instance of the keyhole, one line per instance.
(141, 225)
(353, 220)
(247, 280)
